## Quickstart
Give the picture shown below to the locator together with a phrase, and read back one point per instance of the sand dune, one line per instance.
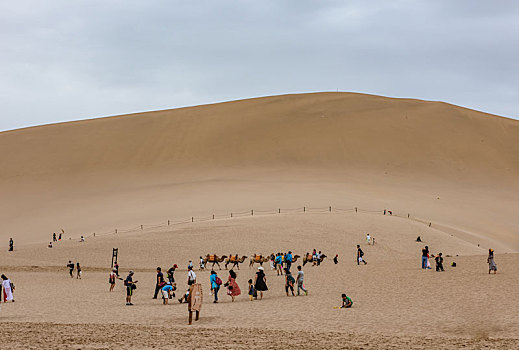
(454, 168)
(441, 162)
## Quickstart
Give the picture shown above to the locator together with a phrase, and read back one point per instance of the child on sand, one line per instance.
(252, 291)
(289, 281)
(346, 302)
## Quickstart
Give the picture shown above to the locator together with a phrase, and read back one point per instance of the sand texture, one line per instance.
(448, 174)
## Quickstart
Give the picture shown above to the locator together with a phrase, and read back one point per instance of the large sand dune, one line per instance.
(453, 171)
(437, 161)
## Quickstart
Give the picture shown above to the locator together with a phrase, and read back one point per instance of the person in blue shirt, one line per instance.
(288, 260)
(216, 282)
(167, 293)
(279, 264)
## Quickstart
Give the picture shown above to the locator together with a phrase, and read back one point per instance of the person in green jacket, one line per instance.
(346, 302)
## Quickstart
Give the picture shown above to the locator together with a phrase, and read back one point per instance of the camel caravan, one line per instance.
(275, 259)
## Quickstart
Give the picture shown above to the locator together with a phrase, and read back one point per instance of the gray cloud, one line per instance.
(64, 60)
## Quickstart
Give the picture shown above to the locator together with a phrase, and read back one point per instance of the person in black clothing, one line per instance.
(11, 244)
(70, 266)
(171, 272)
(336, 259)
(439, 262)
(54, 237)
(160, 279)
(360, 255)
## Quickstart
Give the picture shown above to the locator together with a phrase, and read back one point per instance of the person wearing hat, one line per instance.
(130, 286)
(191, 279)
(260, 282)
(171, 271)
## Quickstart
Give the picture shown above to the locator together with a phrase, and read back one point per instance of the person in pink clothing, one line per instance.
(232, 287)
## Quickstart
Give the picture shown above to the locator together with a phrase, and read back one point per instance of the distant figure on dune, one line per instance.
(439, 262)
(78, 271)
(202, 264)
(260, 282)
(368, 239)
(70, 266)
(50, 245)
(346, 302)
(8, 288)
(233, 290)
(360, 256)
(425, 255)
(59, 237)
(11, 244)
(336, 259)
(82, 239)
(54, 237)
(418, 239)
(491, 263)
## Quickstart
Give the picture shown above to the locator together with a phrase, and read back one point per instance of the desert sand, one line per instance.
(453, 171)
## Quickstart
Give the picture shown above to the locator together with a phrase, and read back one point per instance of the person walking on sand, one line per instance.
(8, 288)
(289, 282)
(336, 259)
(279, 264)
(171, 272)
(116, 267)
(491, 263)
(439, 262)
(130, 287)
(425, 254)
(252, 291)
(368, 239)
(158, 282)
(360, 256)
(300, 280)
(11, 244)
(319, 255)
(70, 266)
(233, 290)
(260, 282)
(191, 279)
(216, 282)
(111, 279)
(54, 237)
(59, 239)
(78, 271)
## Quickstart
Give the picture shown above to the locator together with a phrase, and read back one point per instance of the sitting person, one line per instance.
(418, 239)
(50, 244)
(346, 302)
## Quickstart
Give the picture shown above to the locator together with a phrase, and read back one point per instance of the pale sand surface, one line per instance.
(396, 303)
(455, 168)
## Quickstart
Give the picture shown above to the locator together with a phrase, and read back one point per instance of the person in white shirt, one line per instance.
(191, 279)
(368, 238)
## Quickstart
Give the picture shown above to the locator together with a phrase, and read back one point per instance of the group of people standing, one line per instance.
(71, 266)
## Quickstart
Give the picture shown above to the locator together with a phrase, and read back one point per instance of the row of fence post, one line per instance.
(279, 212)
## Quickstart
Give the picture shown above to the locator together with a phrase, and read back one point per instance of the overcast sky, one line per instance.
(67, 60)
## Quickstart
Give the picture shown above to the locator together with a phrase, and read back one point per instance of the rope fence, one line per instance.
(252, 212)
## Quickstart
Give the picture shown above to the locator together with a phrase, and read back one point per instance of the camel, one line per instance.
(294, 258)
(308, 258)
(213, 258)
(258, 259)
(233, 259)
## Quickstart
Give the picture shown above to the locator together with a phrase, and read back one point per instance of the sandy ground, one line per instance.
(455, 168)
(396, 303)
